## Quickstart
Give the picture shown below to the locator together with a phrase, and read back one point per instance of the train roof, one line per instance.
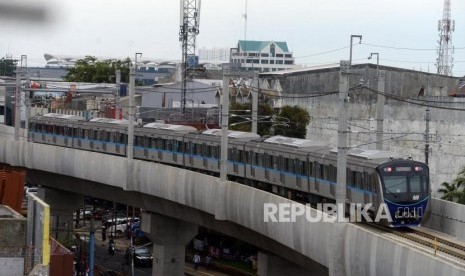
(169, 127)
(232, 134)
(110, 121)
(293, 142)
(369, 154)
(64, 116)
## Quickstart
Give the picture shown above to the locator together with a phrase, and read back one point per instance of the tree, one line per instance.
(299, 119)
(7, 67)
(454, 191)
(263, 128)
(91, 70)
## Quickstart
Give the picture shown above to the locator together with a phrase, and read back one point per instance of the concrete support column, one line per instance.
(62, 205)
(169, 237)
(270, 265)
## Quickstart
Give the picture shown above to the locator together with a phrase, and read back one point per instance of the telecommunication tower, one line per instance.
(445, 49)
(188, 31)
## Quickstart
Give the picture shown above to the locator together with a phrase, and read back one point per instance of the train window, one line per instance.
(175, 145)
(311, 168)
(98, 135)
(198, 149)
(358, 180)
(274, 162)
(213, 151)
(298, 166)
(332, 173)
(317, 170)
(290, 165)
(325, 172)
(366, 181)
(230, 155)
(206, 150)
(415, 184)
(194, 148)
(243, 155)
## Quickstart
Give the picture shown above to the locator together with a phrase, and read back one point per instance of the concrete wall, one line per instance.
(447, 217)
(404, 128)
(447, 148)
(241, 204)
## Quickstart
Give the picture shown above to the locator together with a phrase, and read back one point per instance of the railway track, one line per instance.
(429, 240)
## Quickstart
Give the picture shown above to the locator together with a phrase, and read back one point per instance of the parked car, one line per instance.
(142, 256)
(121, 225)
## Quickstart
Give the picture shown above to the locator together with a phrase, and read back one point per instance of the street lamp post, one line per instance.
(351, 44)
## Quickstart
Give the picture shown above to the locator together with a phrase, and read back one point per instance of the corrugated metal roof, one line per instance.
(258, 46)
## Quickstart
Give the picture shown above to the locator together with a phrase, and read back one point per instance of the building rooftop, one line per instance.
(258, 46)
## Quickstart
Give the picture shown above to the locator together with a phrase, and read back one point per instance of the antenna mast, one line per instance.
(188, 31)
(445, 49)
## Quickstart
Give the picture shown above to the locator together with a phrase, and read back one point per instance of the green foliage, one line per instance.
(299, 119)
(7, 67)
(454, 191)
(263, 128)
(91, 70)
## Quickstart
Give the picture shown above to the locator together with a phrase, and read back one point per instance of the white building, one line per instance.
(215, 54)
(267, 56)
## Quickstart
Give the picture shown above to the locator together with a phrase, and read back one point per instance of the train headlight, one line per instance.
(388, 169)
(418, 168)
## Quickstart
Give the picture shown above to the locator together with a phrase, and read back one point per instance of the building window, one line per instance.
(271, 61)
(279, 62)
(288, 55)
(265, 55)
(288, 62)
(272, 50)
(264, 61)
(279, 55)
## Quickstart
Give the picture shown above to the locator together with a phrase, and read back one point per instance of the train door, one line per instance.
(282, 166)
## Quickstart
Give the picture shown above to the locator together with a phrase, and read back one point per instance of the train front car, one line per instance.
(406, 191)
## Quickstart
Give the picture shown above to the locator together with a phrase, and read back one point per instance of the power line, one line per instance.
(402, 99)
(408, 49)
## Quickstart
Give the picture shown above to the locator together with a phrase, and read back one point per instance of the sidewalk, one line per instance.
(122, 243)
(189, 270)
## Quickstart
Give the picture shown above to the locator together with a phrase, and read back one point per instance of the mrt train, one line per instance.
(303, 170)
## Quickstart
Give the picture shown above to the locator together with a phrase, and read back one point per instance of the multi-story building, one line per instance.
(264, 56)
(215, 54)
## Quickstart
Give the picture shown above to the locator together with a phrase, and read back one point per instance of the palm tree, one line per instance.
(454, 191)
(449, 191)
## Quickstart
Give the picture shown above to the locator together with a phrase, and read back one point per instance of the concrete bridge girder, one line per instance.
(243, 206)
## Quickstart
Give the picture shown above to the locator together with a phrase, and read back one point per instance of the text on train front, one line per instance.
(405, 190)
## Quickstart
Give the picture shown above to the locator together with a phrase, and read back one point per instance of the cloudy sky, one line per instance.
(404, 31)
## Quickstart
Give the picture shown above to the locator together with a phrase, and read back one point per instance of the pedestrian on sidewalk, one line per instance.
(196, 260)
(104, 233)
(208, 260)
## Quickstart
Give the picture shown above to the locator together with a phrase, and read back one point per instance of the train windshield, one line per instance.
(405, 182)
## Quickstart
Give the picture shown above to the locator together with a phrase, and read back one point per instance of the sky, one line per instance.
(403, 32)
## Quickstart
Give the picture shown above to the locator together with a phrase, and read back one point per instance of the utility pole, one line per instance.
(380, 109)
(91, 246)
(255, 104)
(117, 96)
(131, 117)
(342, 135)
(17, 102)
(27, 94)
(220, 212)
(427, 136)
